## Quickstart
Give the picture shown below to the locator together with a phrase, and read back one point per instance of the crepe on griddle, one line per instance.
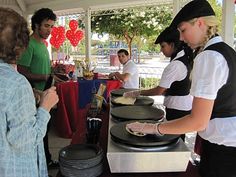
(125, 100)
(134, 133)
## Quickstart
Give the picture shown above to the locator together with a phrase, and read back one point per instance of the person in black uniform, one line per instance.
(213, 86)
(175, 81)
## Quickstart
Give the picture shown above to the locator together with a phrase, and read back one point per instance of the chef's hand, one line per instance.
(132, 94)
(144, 128)
(49, 98)
(111, 75)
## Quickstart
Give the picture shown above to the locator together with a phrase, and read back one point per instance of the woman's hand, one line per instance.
(132, 94)
(49, 98)
(144, 128)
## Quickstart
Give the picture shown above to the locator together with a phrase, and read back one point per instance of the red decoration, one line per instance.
(57, 36)
(74, 35)
(73, 24)
(45, 42)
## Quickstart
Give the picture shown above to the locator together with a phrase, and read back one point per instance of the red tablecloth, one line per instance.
(68, 115)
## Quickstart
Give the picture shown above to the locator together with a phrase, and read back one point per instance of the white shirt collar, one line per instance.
(214, 40)
(179, 54)
(129, 60)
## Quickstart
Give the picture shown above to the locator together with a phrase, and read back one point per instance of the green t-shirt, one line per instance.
(36, 58)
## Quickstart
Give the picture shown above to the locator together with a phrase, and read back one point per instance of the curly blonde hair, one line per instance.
(14, 35)
(212, 23)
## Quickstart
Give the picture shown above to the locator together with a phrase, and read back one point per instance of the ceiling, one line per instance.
(64, 7)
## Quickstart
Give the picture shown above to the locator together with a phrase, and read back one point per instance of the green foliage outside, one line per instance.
(218, 11)
(147, 83)
(139, 25)
(134, 26)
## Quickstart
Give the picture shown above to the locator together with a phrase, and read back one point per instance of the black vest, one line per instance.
(225, 102)
(181, 88)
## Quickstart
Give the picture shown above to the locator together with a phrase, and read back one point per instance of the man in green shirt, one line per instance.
(34, 64)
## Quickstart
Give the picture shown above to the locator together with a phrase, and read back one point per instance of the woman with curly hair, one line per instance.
(22, 126)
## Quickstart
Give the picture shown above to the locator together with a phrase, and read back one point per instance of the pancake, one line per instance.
(125, 100)
(134, 133)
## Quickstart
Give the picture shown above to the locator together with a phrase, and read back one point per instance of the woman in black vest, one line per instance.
(213, 86)
(175, 82)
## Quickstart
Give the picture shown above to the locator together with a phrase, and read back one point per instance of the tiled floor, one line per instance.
(55, 144)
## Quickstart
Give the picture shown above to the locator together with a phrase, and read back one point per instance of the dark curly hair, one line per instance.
(40, 15)
(14, 35)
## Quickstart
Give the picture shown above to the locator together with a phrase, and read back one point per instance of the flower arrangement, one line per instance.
(87, 67)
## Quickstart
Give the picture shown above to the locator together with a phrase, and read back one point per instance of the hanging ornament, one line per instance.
(73, 24)
(74, 35)
(57, 36)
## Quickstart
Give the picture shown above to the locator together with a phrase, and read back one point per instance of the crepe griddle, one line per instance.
(80, 152)
(120, 92)
(140, 101)
(119, 134)
(125, 113)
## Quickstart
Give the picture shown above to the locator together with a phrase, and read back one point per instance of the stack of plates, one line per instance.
(83, 160)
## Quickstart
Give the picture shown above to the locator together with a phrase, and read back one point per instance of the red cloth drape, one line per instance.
(112, 85)
(66, 109)
(69, 117)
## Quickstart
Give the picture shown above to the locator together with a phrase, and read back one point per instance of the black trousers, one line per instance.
(45, 139)
(217, 160)
(172, 114)
(45, 143)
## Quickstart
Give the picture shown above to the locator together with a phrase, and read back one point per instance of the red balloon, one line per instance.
(74, 36)
(69, 34)
(79, 33)
(57, 36)
(61, 30)
(54, 31)
(73, 24)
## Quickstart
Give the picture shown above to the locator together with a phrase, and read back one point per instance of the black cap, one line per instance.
(168, 35)
(194, 9)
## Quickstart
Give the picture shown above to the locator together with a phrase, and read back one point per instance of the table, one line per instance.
(69, 111)
(87, 87)
(80, 137)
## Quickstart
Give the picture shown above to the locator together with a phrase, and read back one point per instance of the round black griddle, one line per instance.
(119, 134)
(140, 101)
(120, 92)
(124, 113)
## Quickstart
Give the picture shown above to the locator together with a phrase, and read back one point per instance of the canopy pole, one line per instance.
(176, 7)
(88, 33)
(228, 22)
